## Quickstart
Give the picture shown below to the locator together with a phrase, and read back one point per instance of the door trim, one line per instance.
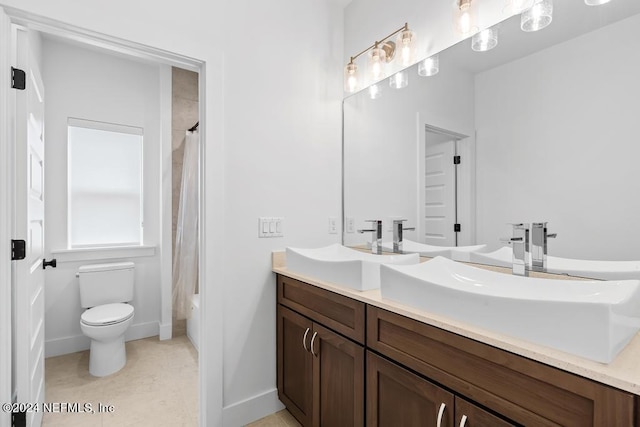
(6, 197)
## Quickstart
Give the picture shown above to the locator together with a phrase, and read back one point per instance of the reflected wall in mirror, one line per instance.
(546, 125)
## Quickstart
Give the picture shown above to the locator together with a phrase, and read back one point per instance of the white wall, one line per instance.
(92, 85)
(557, 142)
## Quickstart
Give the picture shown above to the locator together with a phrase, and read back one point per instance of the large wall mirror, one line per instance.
(547, 125)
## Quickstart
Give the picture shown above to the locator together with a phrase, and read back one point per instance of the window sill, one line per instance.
(97, 254)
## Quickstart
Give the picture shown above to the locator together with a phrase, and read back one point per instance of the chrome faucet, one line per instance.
(520, 244)
(398, 228)
(376, 235)
(539, 238)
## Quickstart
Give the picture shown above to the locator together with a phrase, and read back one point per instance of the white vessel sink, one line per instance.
(592, 319)
(604, 270)
(343, 266)
(458, 253)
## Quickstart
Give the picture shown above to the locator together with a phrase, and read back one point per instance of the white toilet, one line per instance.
(105, 290)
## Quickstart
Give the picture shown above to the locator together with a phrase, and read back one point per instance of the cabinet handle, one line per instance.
(463, 421)
(313, 338)
(304, 340)
(440, 414)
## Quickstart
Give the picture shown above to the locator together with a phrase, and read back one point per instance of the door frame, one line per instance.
(465, 176)
(209, 372)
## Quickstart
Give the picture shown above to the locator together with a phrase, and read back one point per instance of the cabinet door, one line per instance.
(295, 364)
(470, 415)
(397, 397)
(338, 380)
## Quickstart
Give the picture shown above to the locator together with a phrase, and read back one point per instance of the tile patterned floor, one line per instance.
(279, 419)
(157, 387)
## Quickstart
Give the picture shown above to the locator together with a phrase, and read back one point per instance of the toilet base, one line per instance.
(106, 358)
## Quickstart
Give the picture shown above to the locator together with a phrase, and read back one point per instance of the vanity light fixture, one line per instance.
(399, 80)
(485, 40)
(464, 17)
(537, 16)
(429, 67)
(595, 2)
(380, 54)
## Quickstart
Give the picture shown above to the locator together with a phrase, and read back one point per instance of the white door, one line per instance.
(440, 194)
(29, 225)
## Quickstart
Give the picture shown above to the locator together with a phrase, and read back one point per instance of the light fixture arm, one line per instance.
(374, 45)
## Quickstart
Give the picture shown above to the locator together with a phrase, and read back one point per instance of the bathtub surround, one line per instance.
(128, 92)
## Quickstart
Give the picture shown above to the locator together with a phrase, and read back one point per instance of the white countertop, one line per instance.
(623, 373)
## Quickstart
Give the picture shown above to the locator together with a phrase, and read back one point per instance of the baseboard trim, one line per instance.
(68, 345)
(252, 409)
(165, 331)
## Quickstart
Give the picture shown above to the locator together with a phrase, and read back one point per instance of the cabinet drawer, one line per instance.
(340, 313)
(523, 390)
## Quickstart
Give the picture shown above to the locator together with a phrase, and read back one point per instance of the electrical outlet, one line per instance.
(333, 225)
(351, 224)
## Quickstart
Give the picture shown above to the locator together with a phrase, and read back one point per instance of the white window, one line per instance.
(104, 184)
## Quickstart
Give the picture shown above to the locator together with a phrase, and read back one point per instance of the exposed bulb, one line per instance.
(376, 63)
(374, 91)
(399, 80)
(429, 67)
(485, 40)
(351, 77)
(515, 7)
(464, 15)
(406, 40)
(538, 16)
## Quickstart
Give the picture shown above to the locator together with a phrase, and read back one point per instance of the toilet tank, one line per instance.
(106, 283)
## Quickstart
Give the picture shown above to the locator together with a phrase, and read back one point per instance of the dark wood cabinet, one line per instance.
(295, 364)
(418, 374)
(320, 372)
(397, 397)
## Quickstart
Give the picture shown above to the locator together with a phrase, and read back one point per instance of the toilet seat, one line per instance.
(107, 314)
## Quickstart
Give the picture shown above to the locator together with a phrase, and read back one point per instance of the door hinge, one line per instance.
(18, 250)
(18, 419)
(456, 160)
(456, 228)
(18, 79)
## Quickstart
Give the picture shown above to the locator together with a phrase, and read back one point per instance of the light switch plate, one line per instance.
(270, 226)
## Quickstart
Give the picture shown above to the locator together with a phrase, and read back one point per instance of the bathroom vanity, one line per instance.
(349, 358)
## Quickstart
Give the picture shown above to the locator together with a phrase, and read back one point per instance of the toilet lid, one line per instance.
(107, 314)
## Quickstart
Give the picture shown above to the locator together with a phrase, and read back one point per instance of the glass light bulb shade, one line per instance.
(375, 92)
(399, 80)
(407, 45)
(485, 40)
(351, 80)
(595, 2)
(514, 7)
(537, 16)
(377, 64)
(464, 16)
(429, 67)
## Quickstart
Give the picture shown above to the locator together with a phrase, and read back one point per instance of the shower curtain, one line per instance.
(185, 255)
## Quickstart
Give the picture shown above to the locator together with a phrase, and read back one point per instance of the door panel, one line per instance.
(397, 397)
(470, 415)
(29, 225)
(440, 194)
(295, 371)
(338, 374)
